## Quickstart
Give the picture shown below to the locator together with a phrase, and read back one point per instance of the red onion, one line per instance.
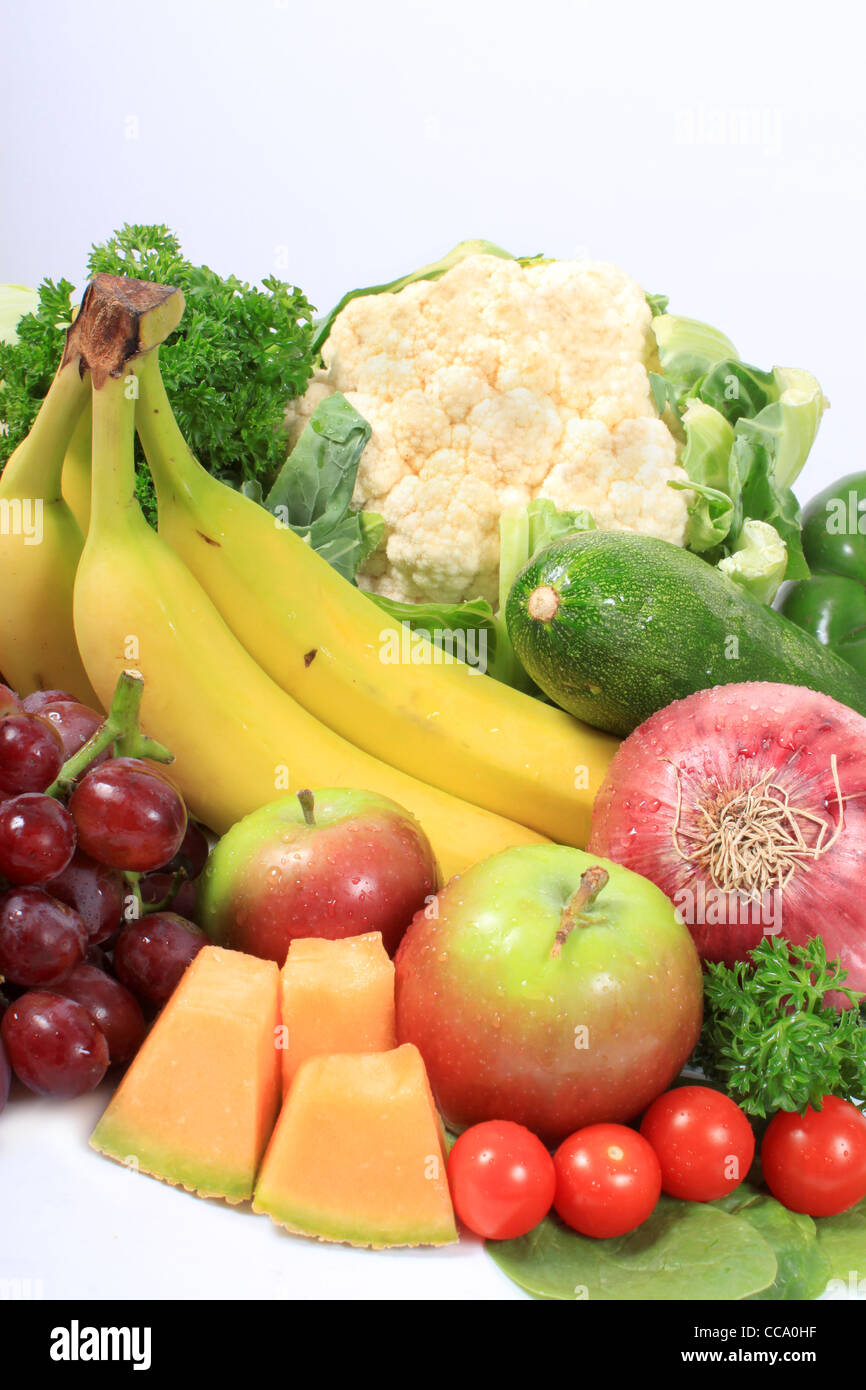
(746, 805)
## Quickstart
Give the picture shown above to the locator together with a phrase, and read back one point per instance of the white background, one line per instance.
(714, 151)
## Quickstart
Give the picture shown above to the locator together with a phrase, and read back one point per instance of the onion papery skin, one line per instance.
(720, 741)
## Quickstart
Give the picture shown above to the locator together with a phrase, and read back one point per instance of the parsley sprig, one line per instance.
(28, 366)
(238, 357)
(769, 1035)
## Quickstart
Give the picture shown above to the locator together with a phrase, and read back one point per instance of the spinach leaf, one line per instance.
(803, 1268)
(842, 1240)
(686, 1250)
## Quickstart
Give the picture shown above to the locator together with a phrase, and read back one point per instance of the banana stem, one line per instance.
(173, 466)
(75, 478)
(36, 465)
(113, 498)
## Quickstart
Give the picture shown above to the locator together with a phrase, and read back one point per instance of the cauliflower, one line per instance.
(496, 384)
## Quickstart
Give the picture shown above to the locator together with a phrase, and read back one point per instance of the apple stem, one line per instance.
(308, 802)
(591, 884)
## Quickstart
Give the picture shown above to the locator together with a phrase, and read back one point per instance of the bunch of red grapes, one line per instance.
(88, 950)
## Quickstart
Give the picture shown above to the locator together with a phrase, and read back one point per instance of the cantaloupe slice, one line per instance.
(357, 1154)
(338, 996)
(198, 1104)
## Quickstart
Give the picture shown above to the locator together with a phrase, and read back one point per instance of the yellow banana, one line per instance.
(238, 740)
(40, 543)
(321, 640)
(75, 479)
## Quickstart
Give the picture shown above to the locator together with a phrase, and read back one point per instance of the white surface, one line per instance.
(76, 1225)
(716, 153)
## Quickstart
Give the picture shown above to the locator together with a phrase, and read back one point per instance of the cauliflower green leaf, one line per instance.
(434, 271)
(312, 493)
(745, 435)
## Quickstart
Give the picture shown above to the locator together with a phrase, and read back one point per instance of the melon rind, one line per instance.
(197, 1106)
(170, 1168)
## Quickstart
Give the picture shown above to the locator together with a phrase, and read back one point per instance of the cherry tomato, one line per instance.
(608, 1180)
(502, 1179)
(816, 1163)
(704, 1142)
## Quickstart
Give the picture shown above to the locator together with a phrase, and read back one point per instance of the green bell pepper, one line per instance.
(831, 605)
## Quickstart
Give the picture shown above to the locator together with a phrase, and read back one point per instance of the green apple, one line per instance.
(548, 987)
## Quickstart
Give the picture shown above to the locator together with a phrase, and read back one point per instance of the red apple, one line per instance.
(333, 863)
(550, 988)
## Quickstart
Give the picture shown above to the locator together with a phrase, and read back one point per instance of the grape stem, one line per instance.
(121, 729)
(133, 881)
(179, 879)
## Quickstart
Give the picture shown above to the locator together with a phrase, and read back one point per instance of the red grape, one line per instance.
(37, 838)
(54, 1046)
(36, 702)
(150, 955)
(98, 957)
(40, 939)
(31, 753)
(113, 1009)
(5, 1075)
(9, 702)
(193, 852)
(95, 891)
(128, 814)
(75, 724)
(5, 1065)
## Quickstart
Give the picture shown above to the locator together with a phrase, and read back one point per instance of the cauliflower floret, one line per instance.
(430, 517)
(491, 386)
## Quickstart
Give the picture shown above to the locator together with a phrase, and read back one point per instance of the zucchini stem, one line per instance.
(543, 604)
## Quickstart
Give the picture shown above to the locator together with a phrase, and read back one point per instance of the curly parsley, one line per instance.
(238, 357)
(771, 1039)
(27, 366)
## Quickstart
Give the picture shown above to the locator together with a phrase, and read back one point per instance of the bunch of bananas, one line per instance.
(263, 667)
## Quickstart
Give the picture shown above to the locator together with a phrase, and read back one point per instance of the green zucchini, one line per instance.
(613, 626)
